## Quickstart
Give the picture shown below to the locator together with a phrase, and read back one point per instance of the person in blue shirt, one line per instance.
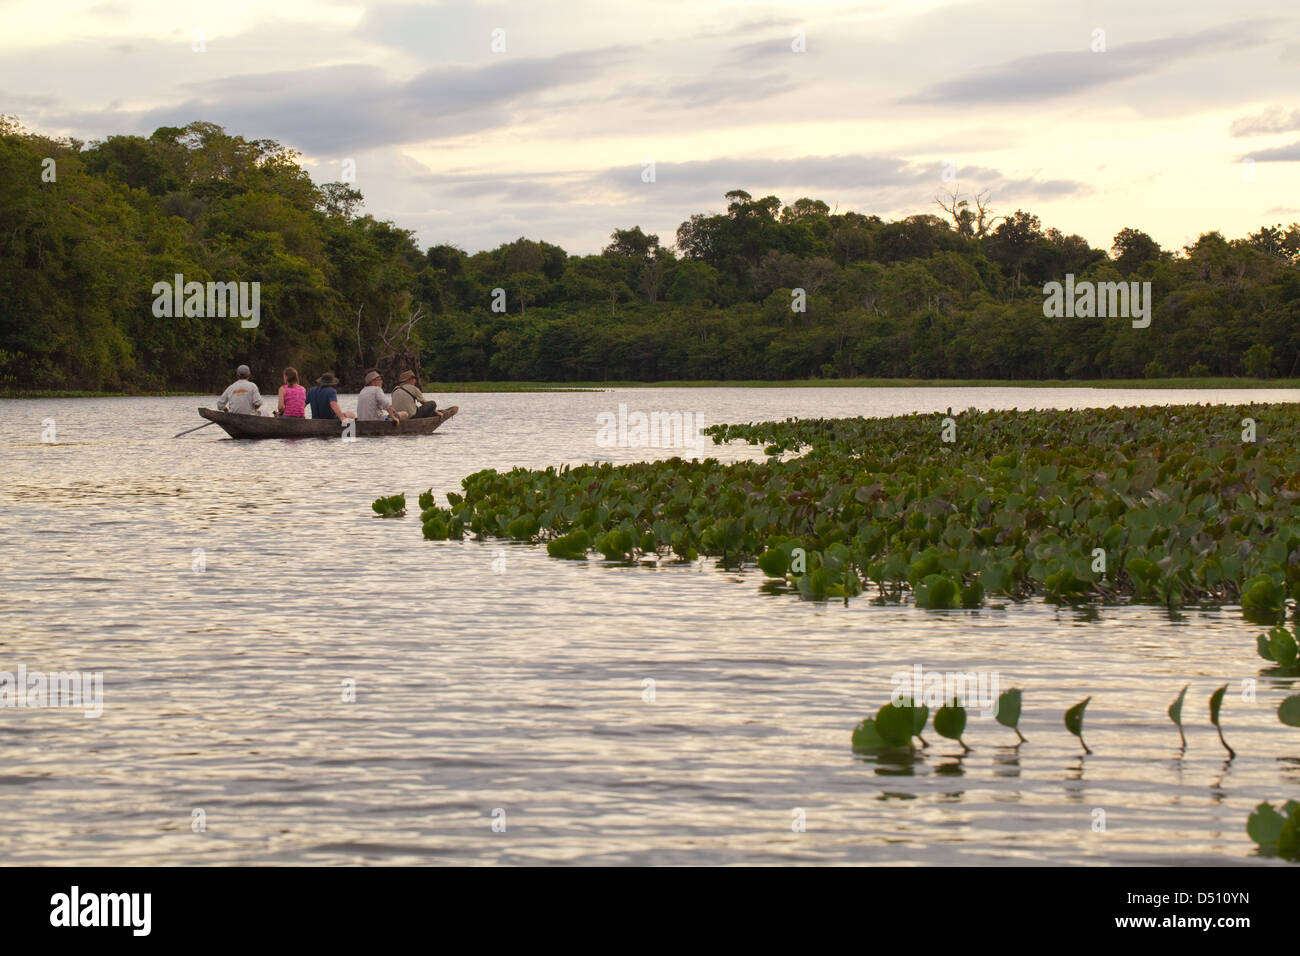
(324, 401)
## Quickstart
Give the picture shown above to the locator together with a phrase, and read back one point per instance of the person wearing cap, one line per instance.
(408, 398)
(323, 400)
(373, 405)
(242, 396)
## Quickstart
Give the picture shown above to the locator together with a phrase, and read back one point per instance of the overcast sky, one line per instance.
(548, 138)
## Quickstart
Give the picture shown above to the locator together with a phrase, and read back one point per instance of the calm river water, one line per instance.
(232, 594)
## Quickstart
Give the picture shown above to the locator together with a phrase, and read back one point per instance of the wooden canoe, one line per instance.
(269, 426)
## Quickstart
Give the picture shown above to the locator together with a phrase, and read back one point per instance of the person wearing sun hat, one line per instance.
(372, 404)
(323, 400)
(408, 398)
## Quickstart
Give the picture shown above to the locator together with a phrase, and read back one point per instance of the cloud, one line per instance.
(1273, 120)
(334, 109)
(1045, 76)
(714, 90)
(755, 25)
(709, 179)
(1279, 154)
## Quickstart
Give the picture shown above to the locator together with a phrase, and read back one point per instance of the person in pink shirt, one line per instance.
(293, 397)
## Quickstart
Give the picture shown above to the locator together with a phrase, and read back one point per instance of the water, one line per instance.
(495, 683)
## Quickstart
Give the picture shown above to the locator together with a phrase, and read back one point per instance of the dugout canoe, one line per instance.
(269, 426)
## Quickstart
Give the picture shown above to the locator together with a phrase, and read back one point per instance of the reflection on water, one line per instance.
(317, 685)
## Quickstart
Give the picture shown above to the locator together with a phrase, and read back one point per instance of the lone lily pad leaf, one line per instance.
(1074, 721)
(1289, 711)
(1265, 825)
(1176, 714)
(1216, 705)
(1008, 714)
(895, 723)
(950, 722)
(1281, 646)
(866, 738)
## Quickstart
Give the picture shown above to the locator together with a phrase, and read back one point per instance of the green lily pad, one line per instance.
(1176, 713)
(866, 738)
(1008, 712)
(1216, 704)
(1265, 825)
(1282, 646)
(1074, 721)
(950, 722)
(895, 723)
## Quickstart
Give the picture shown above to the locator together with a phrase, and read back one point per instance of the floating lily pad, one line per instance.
(1289, 711)
(1074, 721)
(1176, 713)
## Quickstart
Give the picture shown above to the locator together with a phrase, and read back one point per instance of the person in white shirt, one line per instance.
(373, 405)
(242, 397)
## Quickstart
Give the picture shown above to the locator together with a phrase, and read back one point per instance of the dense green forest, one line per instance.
(86, 230)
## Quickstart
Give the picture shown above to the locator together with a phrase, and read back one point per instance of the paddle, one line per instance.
(194, 429)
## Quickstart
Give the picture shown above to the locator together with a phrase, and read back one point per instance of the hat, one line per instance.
(327, 379)
(405, 375)
(372, 376)
(243, 371)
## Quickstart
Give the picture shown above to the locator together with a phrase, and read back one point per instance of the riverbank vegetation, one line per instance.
(757, 291)
(489, 387)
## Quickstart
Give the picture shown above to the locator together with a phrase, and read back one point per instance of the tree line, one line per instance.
(760, 290)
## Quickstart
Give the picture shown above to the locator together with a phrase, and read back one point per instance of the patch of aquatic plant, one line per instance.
(898, 721)
(1164, 505)
(892, 729)
(392, 507)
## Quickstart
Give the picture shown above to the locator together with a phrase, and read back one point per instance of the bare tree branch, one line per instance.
(984, 218)
(360, 354)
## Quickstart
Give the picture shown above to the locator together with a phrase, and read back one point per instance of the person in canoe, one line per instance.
(241, 396)
(373, 405)
(293, 397)
(324, 400)
(408, 398)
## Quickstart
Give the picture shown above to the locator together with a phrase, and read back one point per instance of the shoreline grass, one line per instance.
(470, 387)
(1152, 383)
